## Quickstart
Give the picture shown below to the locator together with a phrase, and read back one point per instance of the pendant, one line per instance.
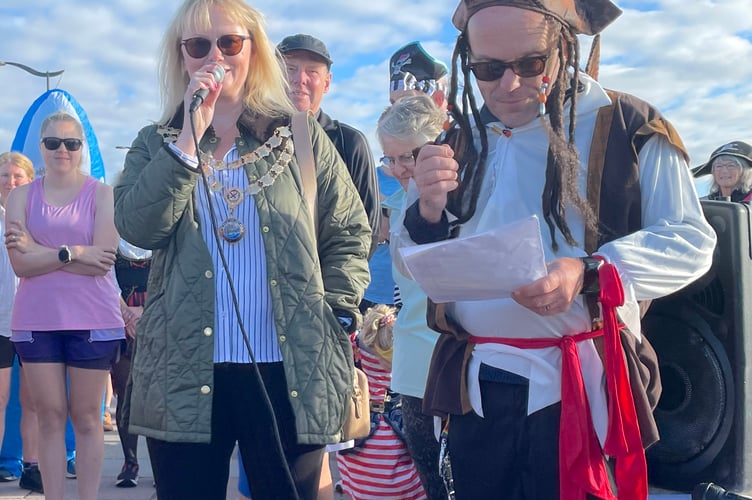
(232, 230)
(233, 196)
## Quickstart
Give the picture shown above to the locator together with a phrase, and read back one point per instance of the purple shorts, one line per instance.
(70, 347)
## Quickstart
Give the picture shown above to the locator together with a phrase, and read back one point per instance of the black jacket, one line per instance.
(737, 195)
(353, 148)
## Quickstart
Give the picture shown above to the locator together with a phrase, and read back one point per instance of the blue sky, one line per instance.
(691, 58)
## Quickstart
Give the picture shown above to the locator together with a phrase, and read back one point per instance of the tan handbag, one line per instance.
(358, 413)
(358, 416)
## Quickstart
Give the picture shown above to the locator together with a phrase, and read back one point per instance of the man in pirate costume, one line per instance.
(607, 176)
(414, 71)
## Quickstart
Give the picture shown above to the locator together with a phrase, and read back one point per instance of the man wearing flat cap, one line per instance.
(309, 74)
(414, 71)
(534, 383)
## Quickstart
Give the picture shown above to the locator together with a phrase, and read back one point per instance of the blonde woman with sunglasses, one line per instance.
(241, 338)
(61, 241)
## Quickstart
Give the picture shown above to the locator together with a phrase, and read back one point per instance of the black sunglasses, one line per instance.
(489, 71)
(52, 143)
(198, 47)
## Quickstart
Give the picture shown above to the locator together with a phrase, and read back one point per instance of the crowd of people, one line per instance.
(228, 311)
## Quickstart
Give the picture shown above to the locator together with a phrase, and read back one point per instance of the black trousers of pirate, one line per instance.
(507, 454)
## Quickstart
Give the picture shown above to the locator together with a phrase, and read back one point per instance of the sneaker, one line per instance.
(31, 479)
(107, 422)
(70, 469)
(6, 476)
(128, 477)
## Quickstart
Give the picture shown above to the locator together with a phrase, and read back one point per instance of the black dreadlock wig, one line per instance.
(563, 161)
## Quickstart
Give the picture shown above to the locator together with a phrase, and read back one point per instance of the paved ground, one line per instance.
(113, 461)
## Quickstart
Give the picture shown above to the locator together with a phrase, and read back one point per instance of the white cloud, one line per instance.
(687, 59)
(691, 59)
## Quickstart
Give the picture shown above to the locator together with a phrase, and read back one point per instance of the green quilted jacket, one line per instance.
(170, 389)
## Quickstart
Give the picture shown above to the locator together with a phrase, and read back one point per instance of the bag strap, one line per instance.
(304, 154)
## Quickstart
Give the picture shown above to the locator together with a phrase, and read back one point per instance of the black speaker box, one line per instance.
(703, 337)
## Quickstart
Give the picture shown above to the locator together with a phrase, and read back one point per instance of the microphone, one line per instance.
(710, 491)
(198, 97)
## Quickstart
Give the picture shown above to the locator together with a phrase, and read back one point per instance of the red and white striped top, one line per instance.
(382, 467)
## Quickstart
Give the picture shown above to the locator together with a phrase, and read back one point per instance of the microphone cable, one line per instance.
(267, 404)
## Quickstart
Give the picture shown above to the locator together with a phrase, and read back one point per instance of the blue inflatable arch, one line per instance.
(27, 135)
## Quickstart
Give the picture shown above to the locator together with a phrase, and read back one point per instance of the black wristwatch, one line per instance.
(65, 255)
(591, 284)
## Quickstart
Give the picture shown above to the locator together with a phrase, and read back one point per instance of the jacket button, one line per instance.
(294, 394)
(205, 389)
(208, 331)
(208, 274)
(273, 282)
(265, 229)
(282, 338)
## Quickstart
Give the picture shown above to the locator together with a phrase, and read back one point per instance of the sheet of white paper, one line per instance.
(484, 266)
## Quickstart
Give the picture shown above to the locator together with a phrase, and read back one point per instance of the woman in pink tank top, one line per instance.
(66, 319)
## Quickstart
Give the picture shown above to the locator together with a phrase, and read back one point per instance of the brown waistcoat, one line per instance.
(614, 192)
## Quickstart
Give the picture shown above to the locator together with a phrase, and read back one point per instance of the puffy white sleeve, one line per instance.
(675, 245)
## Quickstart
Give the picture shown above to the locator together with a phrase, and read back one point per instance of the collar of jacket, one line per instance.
(249, 122)
(325, 121)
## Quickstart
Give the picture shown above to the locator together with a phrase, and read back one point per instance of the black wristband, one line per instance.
(591, 284)
(420, 230)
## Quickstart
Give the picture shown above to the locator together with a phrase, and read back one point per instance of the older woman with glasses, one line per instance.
(241, 338)
(406, 125)
(61, 241)
(731, 166)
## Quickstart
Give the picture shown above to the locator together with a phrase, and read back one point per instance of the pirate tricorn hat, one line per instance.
(738, 149)
(587, 17)
(413, 59)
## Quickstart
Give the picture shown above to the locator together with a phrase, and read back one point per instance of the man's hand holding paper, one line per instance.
(489, 265)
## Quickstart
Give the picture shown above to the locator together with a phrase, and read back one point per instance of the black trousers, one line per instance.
(187, 471)
(423, 446)
(119, 373)
(508, 454)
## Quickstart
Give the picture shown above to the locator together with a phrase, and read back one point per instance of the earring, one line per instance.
(542, 96)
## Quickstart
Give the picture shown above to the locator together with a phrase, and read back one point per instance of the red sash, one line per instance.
(582, 469)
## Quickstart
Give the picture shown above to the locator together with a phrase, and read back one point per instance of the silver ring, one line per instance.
(547, 307)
